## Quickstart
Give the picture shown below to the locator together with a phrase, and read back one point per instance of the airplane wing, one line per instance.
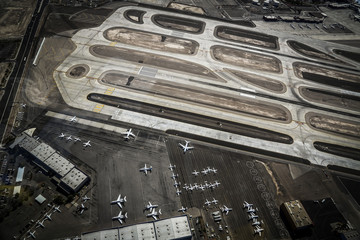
(181, 145)
(119, 204)
(131, 134)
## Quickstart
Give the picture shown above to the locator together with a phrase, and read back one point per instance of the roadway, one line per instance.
(6, 102)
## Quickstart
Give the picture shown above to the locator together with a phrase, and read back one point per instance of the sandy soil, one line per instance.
(151, 40)
(246, 59)
(180, 24)
(333, 124)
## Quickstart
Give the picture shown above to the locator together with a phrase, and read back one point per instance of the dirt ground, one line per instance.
(177, 23)
(151, 40)
(246, 59)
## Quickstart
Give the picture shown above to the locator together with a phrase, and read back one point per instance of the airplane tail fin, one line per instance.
(125, 199)
(160, 211)
(126, 215)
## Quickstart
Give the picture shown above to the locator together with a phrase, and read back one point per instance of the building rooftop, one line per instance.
(297, 213)
(42, 152)
(28, 143)
(20, 174)
(59, 164)
(40, 199)
(170, 228)
(74, 178)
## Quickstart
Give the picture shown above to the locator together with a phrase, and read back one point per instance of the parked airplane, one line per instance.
(201, 187)
(146, 169)
(216, 183)
(251, 210)
(173, 176)
(85, 198)
(176, 184)
(61, 135)
(69, 138)
(154, 214)
(214, 201)
(214, 170)
(300, 26)
(252, 216)
(182, 209)
(23, 105)
(40, 224)
(195, 173)
(186, 146)
(77, 139)
(178, 192)
(73, 119)
(48, 217)
(207, 202)
(128, 134)
(82, 208)
(87, 144)
(32, 234)
(258, 230)
(57, 209)
(119, 201)
(292, 26)
(191, 188)
(120, 217)
(205, 171)
(246, 204)
(172, 167)
(150, 207)
(255, 222)
(196, 186)
(226, 210)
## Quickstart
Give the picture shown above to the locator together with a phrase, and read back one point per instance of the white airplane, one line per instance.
(207, 185)
(85, 198)
(120, 217)
(146, 169)
(40, 224)
(87, 144)
(205, 171)
(23, 105)
(178, 192)
(171, 167)
(226, 210)
(208, 203)
(128, 134)
(201, 187)
(191, 188)
(150, 207)
(186, 146)
(252, 216)
(82, 208)
(32, 234)
(214, 201)
(48, 217)
(182, 209)
(119, 201)
(154, 214)
(174, 176)
(196, 186)
(61, 135)
(247, 205)
(214, 170)
(77, 139)
(292, 26)
(255, 222)
(216, 183)
(177, 184)
(69, 138)
(251, 210)
(195, 173)
(57, 209)
(73, 119)
(258, 230)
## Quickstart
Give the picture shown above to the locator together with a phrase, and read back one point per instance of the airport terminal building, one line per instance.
(176, 228)
(65, 173)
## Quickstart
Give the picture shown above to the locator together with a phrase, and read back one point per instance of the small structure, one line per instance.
(296, 215)
(40, 199)
(17, 189)
(20, 174)
(270, 18)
